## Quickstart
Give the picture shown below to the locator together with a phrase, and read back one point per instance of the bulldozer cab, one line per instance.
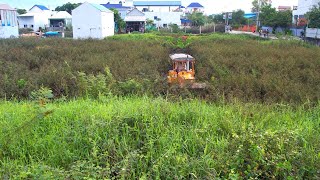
(182, 69)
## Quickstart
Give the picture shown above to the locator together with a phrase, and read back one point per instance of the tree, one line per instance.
(197, 18)
(68, 7)
(313, 17)
(150, 22)
(268, 15)
(210, 19)
(118, 20)
(238, 17)
(218, 18)
(283, 19)
(256, 6)
(21, 11)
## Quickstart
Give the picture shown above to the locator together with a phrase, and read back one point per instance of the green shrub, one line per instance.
(244, 67)
(152, 138)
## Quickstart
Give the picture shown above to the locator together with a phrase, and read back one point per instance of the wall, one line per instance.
(123, 13)
(26, 20)
(166, 18)
(40, 20)
(37, 20)
(9, 31)
(8, 24)
(191, 10)
(107, 21)
(86, 22)
(304, 6)
(313, 33)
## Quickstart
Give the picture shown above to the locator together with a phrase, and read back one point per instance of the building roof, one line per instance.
(6, 7)
(284, 7)
(61, 15)
(157, 3)
(115, 6)
(135, 16)
(42, 7)
(250, 15)
(195, 5)
(100, 7)
(181, 57)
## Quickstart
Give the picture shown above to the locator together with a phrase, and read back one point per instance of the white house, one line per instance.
(92, 21)
(123, 10)
(164, 19)
(135, 21)
(37, 17)
(163, 13)
(157, 6)
(194, 7)
(303, 7)
(60, 18)
(8, 22)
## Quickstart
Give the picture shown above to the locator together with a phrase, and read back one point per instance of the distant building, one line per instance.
(60, 19)
(157, 6)
(92, 21)
(36, 18)
(300, 11)
(39, 8)
(8, 22)
(163, 13)
(195, 7)
(123, 10)
(284, 8)
(164, 19)
(127, 3)
(135, 21)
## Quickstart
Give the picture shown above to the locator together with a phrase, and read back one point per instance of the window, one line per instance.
(31, 26)
(145, 10)
(165, 25)
(155, 17)
(25, 26)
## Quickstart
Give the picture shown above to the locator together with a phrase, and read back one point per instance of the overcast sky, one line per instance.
(211, 6)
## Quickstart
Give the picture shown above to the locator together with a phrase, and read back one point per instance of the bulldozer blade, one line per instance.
(198, 85)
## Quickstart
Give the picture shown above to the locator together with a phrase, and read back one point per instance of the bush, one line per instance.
(25, 30)
(243, 67)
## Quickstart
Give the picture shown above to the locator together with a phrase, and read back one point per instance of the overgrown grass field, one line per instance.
(233, 66)
(152, 138)
(112, 115)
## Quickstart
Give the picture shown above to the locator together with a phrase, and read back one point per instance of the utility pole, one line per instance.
(258, 13)
(226, 21)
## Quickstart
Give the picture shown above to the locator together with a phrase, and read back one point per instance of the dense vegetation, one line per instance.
(241, 67)
(94, 109)
(152, 138)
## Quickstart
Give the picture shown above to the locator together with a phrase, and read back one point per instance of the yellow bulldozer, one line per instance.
(183, 72)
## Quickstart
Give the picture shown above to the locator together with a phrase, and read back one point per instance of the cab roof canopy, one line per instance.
(181, 57)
